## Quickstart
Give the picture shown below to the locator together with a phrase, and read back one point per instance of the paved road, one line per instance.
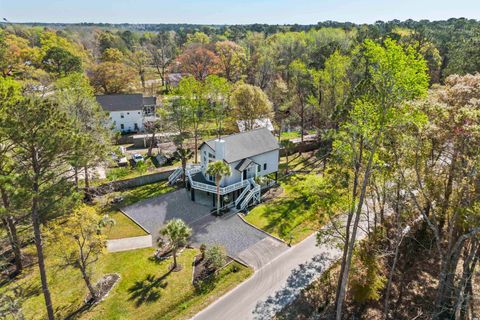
(276, 284)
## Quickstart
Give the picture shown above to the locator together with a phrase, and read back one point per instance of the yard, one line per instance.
(289, 215)
(146, 290)
(124, 227)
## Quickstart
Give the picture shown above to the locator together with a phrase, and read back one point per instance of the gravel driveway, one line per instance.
(241, 240)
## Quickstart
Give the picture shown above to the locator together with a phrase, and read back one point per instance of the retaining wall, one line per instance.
(132, 183)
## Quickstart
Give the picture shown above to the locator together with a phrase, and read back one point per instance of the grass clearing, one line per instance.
(289, 216)
(146, 289)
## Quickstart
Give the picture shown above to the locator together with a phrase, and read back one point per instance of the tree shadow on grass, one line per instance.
(300, 277)
(148, 290)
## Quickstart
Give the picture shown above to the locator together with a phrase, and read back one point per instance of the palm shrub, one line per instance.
(177, 233)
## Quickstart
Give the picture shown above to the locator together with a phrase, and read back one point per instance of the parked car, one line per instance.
(137, 158)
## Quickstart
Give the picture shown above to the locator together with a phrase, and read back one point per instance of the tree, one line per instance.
(301, 82)
(217, 91)
(192, 96)
(112, 55)
(396, 75)
(163, 51)
(177, 233)
(75, 96)
(61, 62)
(198, 62)
(288, 147)
(443, 187)
(44, 142)
(12, 207)
(79, 243)
(183, 154)
(139, 60)
(249, 103)
(215, 257)
(218, 169)
(111, 77)
(231, 59)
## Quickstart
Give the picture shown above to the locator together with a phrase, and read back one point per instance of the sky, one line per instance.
(234, 12)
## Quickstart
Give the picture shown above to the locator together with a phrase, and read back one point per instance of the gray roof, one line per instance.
(149, 101)
(246, 144)
(123, 102)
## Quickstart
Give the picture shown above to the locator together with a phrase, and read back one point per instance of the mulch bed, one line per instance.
(104, 286)
(200, 270)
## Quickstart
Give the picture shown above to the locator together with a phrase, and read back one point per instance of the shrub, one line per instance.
(117, 173)
(215, 257)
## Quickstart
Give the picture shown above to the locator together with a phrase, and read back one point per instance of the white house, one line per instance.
(249, 154)
(128, 112)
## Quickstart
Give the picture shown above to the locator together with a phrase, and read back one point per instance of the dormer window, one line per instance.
(122, 115)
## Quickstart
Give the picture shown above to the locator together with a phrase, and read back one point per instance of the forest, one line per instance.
(394, 105)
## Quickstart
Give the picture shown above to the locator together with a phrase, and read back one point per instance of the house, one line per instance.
(249, 154)
(128, 112)
(258, 123)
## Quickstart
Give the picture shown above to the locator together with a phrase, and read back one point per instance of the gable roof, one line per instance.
(123, 102)
(246, 144)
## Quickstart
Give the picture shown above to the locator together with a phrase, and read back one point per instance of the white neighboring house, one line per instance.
(249, 154)
(258, 123)
(128, 112)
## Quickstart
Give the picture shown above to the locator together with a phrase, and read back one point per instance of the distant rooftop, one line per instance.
(124, 102)
(246, 144)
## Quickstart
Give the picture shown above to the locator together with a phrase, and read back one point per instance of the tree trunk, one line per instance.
(87, 183)
(184, 168)
(174, 253)
(344, 276)
(86, 278)
(15, 243)
(11, 227)
(196, 147)
(218, 196)
(75, 175)
(41, 258)
(150, 147)
(349, 221)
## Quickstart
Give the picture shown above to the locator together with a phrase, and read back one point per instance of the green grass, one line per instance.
(124, 227)
(146, 289)
(289, 216)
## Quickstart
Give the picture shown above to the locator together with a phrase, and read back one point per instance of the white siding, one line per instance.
(128, 120)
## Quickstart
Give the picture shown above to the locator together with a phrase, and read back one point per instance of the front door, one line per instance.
(245, 174)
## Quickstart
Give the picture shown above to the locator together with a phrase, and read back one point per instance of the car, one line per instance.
(137, 158)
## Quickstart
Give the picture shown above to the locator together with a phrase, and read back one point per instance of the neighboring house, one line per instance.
(249, 154)
(259, 123)
(128, 112)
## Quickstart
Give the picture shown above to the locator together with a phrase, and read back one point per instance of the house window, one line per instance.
(135, 126)
(128, 112)
(264, 166)
(122, 116)
(139, 113)
(122, 126)
(259, 168)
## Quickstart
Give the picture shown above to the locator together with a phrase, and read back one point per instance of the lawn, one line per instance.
(146, 289)
(289, 216)
(124, 227)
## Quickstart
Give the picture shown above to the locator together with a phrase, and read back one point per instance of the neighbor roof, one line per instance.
(246, 144)
(123, 102)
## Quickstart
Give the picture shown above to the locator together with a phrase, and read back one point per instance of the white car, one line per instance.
(137, 158)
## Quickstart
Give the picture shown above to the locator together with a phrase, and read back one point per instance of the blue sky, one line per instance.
(234, 12)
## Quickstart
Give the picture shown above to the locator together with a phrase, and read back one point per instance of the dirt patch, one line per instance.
(272, 193)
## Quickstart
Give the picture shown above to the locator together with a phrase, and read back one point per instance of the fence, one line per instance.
(132, 183)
